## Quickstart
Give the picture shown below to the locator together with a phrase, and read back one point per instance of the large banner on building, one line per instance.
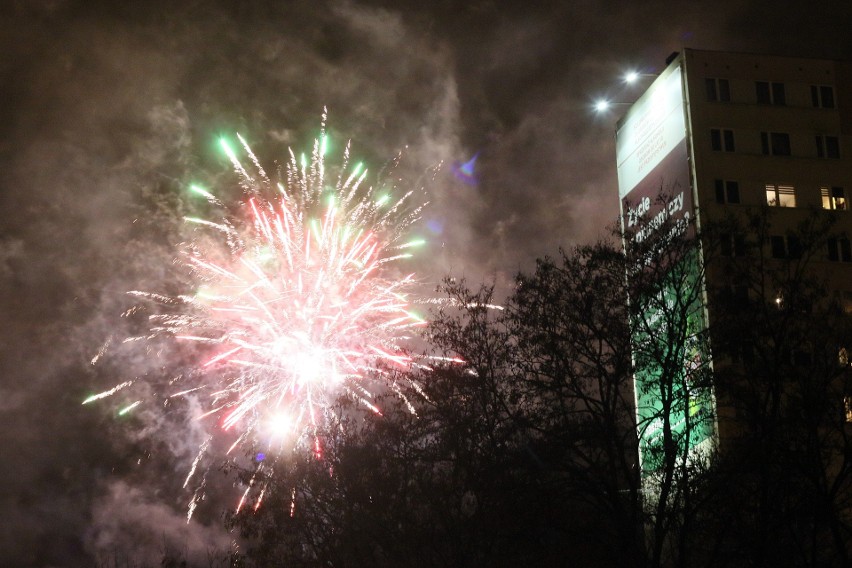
(652, 157)
(672, 372)
(654, 126)
(655, 193)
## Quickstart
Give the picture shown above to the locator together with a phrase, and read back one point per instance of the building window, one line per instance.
(822, 96)
(770, 93)
(734, 296)
(833, 198)
(780, 195)
(727, 191)
(779, 249)
(718, 90)
(828, 146)
(794, 247)
(839, 250)
(775, 143)
(722, 140)
(785, 247)
(732, 245)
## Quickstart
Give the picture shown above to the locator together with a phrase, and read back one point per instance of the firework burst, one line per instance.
(296, 302)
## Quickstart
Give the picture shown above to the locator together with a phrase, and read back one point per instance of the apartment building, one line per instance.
(733, 134)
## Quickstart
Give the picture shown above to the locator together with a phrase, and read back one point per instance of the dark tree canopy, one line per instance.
(528, 453)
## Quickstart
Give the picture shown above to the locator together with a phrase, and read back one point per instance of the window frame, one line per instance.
(717, 90)
(785, 247)
(722, 140)
(775, 93)
(775, 144)
(778, 246)
(782, 195)
(834, 198)
(828, 146)
(732, 245)
(839, 249)
(818, 96)
(725, 189)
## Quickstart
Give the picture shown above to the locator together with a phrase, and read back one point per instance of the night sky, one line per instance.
(109, 109)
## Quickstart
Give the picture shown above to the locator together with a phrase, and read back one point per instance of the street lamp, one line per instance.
(603, 105)
(632, 76)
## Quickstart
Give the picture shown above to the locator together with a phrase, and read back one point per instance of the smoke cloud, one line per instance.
(111, 109)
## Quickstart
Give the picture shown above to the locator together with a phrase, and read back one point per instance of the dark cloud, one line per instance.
(110, 109)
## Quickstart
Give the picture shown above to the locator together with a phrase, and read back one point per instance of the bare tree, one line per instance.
(589, 421)
(782, 375)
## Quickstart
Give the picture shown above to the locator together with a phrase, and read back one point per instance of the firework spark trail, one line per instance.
(300, 310)
(107, 393)
(296, 305)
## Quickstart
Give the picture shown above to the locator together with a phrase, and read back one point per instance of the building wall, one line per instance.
(752, 169)
(735, 112)
(747, 119)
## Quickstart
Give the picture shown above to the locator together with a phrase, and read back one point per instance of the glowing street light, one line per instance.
(632, 76)
(603, 105)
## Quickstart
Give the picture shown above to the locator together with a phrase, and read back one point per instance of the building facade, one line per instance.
(733, 135)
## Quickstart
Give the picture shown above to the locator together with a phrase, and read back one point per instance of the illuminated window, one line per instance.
(775, 143)
(822, 96)
(780, 195)
(718, 90)
(833, 198)
(770, 93)
(843, 357)
(847, 407)
(722, 140)
(839, 250)
(827, 146)
(727, 191)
